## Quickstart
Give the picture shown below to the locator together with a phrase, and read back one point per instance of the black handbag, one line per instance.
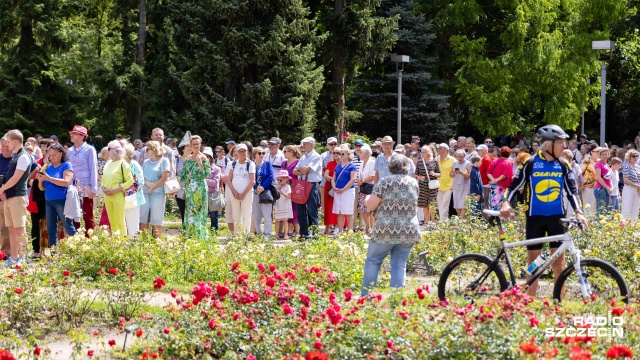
(265, 197)
(366, 188)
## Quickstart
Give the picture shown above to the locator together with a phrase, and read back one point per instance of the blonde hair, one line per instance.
(294, 149)
(347, 151)
(195, 137)
(29, 147)
(155, 146)
(14, 134)
(129, 150)
(103, 152)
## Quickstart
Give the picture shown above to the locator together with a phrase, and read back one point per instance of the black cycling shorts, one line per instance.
(541, 226)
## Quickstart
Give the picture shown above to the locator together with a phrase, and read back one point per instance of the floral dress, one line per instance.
(196, 205)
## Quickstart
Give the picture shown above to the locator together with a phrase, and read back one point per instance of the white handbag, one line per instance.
(433, 184)
(130, 202)
(171, 186)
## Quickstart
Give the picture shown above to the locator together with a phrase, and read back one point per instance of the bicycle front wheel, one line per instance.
(469, 277)
(603, 281)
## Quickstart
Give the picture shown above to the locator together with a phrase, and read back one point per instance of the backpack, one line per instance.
(233, 166)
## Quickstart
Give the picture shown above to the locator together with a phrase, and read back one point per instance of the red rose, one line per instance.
(316, 355)
(18, 291)
(90, 353)
(212, 323)
(529, 348)
(139, 333)
(113, 271)
(174, 293)
(534, 322)
(158, 283)
(616, 311)
(347, 295)
(222, 291)
(288, 310)
(66, 273)
(251, 357)
(272, 268)
(37, 351)
(577, 353)
(201, 291)
(234, 266)
(317, 345)
(261, 267)
(166, 331)
(112, 342)
(619, 351)
(6, 355)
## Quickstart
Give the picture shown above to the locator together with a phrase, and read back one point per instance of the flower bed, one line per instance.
(253, 299)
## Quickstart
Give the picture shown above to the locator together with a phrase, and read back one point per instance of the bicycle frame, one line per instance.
(567, 244)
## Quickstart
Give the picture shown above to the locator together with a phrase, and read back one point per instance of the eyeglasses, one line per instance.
(260, 153)
(635, 156)
(358, 145)
(286, 150)
(488, 142)
(281, 180)
(218, 151)
(341, 154)
(337, 153)
(332, 144)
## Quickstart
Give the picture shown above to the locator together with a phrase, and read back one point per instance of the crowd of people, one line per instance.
(296, 185)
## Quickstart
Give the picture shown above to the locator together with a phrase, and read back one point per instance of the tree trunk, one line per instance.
(339, 68)
(142, 35)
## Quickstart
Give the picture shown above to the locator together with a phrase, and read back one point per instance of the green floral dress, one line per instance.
(196, 204)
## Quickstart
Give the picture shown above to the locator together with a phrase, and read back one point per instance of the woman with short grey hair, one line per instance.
(396, 229)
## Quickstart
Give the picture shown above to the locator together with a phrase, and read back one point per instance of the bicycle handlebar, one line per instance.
(572, 221)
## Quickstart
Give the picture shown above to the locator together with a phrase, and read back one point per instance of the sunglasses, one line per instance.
(260, 153)
(218, 151)
(488, 142)
(282, 180)
(343, 154)
(358, 145)
(333, 144)
(337, 153)
(635, 156)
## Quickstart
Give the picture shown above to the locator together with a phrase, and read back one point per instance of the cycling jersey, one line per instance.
(547, 180)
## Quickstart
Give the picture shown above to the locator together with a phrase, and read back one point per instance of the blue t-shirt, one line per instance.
(343, 177)
(51, 190)
(153, 172)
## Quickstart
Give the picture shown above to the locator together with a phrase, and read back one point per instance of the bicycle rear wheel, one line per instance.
(469, 277)
(603, 279)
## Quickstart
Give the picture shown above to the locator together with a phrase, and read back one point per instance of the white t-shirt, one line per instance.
(24, 162)
(615, 180)
(241, 175)
(369, 169)
(222, 164)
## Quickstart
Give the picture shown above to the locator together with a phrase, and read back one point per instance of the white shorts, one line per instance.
(343, 203)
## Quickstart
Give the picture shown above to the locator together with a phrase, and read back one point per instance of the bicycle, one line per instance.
(591, 279)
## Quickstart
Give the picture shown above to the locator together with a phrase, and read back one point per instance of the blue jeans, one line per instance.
(55, 211)
(376, 253)
(308, 213)
(615, 202)
(214, 219)
(602, 199)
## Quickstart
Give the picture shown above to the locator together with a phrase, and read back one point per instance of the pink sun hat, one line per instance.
(283, 173)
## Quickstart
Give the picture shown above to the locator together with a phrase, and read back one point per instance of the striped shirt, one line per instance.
(631, 172)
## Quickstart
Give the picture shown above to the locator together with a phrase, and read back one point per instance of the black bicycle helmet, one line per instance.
(551, 132)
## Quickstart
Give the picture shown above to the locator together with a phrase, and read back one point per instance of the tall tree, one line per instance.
(35, 95)
(246, 67)
(521, 63)
(374, 91)
(356, 37)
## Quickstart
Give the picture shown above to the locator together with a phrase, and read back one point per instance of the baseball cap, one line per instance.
(399, 149)
(376, 143)
(53, 137)
(332, 140)
(583, 136)
(387, 139)
(275, 140)
(230, 142)
(359, 142)
(241, 146)
(416, 140)
(482, 147)
(444, 146)
(308, 139)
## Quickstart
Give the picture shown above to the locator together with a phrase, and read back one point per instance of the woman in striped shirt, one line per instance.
(630, 193)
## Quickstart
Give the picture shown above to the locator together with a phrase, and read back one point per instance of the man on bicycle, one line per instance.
(547, 175)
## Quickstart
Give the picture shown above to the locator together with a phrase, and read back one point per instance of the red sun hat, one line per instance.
(80, 130)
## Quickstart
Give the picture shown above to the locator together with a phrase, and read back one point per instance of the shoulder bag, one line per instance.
(433, 184)
(216, 201)
(332, 193)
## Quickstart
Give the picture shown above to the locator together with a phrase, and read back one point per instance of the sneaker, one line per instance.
(35, 255)
(335, 232)
(21, 262)
(9, 263)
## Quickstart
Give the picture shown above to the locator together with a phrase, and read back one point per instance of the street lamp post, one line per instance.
(607, 46)
(582, 123)
(399, 60)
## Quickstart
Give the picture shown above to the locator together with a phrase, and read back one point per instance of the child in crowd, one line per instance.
(283, 209)
(475, 185)
(614, 200)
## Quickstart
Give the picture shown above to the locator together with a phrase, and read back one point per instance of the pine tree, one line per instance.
(374, 92)
(246, 68)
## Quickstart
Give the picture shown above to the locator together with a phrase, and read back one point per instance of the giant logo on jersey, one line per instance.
(547, 190)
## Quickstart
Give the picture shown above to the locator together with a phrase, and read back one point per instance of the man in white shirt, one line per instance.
(309, 167)
(273, 154)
